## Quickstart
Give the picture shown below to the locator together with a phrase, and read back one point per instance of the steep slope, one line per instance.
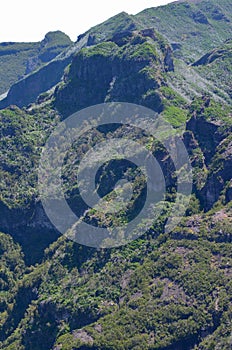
(171, 292)
(216, 66)
(163, 291)
(123, 22)
(201, 25)
(20, 59)
(134, 64)
(27, 89)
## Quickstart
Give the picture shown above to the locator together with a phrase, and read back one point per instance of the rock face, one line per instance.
(199, 17)
(168, 60)
(165, 290)
(28, 226)
(27, 90)
(219, 174)
(87, 83)
(229, 193)
(213, 135)
(207, 134)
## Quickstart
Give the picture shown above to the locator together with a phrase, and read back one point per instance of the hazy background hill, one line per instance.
(20, 59)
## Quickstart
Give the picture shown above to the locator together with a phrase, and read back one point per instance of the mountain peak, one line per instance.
(57, 36)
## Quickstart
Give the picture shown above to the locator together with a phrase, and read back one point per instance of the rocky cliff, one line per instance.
(164, 290)
(144, 57)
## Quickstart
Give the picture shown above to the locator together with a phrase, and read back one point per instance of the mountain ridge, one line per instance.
(19, 59)
(164, 290)
(156, 18)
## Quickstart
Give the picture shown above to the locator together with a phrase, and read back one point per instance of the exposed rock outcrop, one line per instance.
(207, 134)
(220, 173)
(86, 83)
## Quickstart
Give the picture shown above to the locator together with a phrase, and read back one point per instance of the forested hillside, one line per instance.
(164, 290)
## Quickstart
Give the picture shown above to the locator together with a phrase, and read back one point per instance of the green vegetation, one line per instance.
(18, 59)
(216, 66)
(102, 49)
(132, 73)
(175, 107)
(150, 294)
(197, 26)
(22, 135)
(215, 112)
(144, 51)
(175, 115)
(164, 290)
(117, 24)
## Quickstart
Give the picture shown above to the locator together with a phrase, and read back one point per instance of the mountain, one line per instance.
(208, 66)
(142, 54)
(193, 27)
(204, 22)
(20, 59)
(27, 89)
(203, 25)
(164, 290)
